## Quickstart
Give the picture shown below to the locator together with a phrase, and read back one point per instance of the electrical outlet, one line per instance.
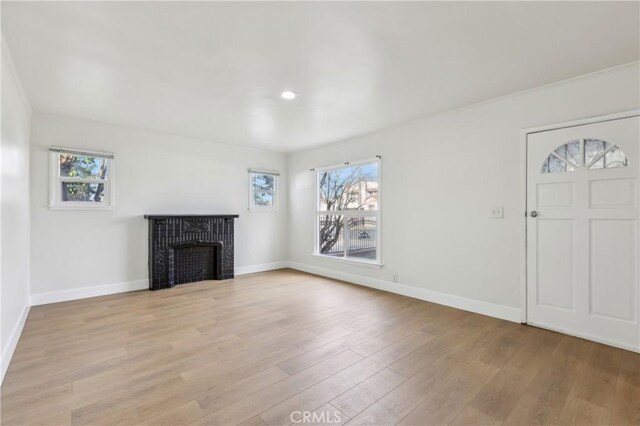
(497, 212)
(395, 277)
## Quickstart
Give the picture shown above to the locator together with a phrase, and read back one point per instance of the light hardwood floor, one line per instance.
(256, 349)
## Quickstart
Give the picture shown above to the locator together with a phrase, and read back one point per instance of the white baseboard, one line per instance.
(480, 307)
(7, 352)
(102, 290)
(262, 267)
(472, 305)
(83, 293)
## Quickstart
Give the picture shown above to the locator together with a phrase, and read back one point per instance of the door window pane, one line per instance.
(615, 158)
(590, 153)
(556, 165)
(570, 152)
(592, 148)
(598, 164)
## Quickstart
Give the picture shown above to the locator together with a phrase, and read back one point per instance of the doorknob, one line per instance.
(534, 213)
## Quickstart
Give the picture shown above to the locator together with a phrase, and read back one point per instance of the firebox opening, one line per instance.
(194, 261)
(194, 264)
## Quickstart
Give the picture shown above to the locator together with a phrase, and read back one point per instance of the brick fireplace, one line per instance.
(189, 248)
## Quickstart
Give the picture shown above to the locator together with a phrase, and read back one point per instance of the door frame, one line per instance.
(524, 133)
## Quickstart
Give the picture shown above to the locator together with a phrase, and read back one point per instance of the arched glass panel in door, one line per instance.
(588, 153)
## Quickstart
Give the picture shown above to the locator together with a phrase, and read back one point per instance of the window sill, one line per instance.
(365, 263)
(263, 210)
(85, 208)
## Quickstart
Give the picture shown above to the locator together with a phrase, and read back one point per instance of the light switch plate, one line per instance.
(497, 212)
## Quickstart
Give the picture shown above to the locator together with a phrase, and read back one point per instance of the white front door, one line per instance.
(582, 231)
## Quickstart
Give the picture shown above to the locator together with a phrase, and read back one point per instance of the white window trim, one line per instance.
(276, 190)
(377, 262)
(55, 181)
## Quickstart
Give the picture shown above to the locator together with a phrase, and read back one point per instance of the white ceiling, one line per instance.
(216, 70)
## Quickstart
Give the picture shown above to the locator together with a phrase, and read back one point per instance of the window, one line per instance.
(348, 212)
(81, 180)
(589, 153)
(263, 190)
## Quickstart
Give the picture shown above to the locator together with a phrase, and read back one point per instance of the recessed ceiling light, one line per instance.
(288, 94)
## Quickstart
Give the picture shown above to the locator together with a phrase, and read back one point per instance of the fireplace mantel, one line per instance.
(169, 216)
(169, 235)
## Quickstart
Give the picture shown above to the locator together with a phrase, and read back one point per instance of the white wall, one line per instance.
(155, 173)
(440, 177)
(14, 212)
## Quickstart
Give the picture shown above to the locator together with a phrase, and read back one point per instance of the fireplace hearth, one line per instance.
(189, 248)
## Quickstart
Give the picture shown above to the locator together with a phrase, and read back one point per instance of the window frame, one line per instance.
(56, 181)
(276, 190)
(348, 214)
